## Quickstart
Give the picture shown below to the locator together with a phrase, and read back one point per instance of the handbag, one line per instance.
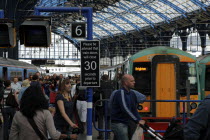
(11, 101)
(138, 134)
(35, 127)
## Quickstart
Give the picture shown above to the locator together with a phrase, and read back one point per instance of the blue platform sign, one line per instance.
(90, 63)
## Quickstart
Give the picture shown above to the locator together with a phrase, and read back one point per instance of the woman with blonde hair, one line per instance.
(64, 109)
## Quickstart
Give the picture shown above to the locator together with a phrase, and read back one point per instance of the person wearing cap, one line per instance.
(25, 85)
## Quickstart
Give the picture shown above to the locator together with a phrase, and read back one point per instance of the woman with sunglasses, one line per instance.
(64, 109)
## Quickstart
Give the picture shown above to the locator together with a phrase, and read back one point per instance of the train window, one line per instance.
(187, 72)
(207, 77)
(30, 74)
(19, 74)
(142, 75)
(12, 74)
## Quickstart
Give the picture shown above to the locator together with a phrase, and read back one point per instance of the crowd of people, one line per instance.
(28, 115)
(32, 117)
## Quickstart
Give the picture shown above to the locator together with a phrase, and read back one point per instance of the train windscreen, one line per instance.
(142, 75)
(207, 77)
(187, 72)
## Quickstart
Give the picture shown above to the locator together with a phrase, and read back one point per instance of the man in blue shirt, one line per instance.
(123, 103)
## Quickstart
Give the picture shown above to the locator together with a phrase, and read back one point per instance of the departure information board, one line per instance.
(90, 63)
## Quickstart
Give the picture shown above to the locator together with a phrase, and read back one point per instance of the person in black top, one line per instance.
(8, 112)
(64, 109)
(101, 93)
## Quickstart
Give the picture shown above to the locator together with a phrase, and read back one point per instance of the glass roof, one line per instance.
(125, 16)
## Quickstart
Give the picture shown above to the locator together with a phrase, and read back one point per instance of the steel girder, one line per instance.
(129, 10)
(200, 4)
(111, 22)
(180, 10)
(101, 27)
(115, 14)
(140, 3)
(98, 36)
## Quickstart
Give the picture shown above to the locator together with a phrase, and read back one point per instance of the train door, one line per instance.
(207, 80)
(5, 73)
(165, 89)
(24, 74)
(164, 81)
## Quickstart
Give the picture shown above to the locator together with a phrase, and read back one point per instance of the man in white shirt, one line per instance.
(15, 85)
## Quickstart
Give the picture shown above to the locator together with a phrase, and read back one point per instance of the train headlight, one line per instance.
(193, 105)
(139, 107)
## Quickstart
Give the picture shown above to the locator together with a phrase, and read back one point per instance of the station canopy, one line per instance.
(116, 17)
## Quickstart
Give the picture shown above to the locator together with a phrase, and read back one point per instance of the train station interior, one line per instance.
(49, 34)
(123, 27)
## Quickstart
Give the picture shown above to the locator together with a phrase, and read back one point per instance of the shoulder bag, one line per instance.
(10, 100)
(35, 127)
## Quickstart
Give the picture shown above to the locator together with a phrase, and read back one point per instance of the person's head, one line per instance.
(15, 80)
(77, 80)
(38, 74)
(105, 77)
(61, 76)
(7, 83)
(128, 81)
(35, 77)
(65, 86)
(54, 75)
(30, 77)
(26, 83)
(19, 78)
(32, 100)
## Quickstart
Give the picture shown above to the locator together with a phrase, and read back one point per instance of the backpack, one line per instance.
(175, 131)
(10, 100)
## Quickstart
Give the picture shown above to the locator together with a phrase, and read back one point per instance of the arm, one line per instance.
(54, 134)
(125, 109)
(16, 96)
(140, 97)
(64, 115)
(14, 131)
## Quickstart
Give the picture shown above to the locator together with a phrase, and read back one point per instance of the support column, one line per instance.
(183, 35)
(202, 32)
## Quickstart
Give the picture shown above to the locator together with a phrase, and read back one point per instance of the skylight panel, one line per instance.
(100, 31)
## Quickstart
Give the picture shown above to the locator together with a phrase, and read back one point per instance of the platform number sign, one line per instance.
(90, 67)
(78, 30)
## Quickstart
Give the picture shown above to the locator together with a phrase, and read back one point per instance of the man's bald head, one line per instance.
(128, 81)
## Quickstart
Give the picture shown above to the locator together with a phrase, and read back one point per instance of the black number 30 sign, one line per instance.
(78, 30)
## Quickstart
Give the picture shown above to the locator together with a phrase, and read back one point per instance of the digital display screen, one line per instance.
(4, 36)
(36, 36)
(141, 69)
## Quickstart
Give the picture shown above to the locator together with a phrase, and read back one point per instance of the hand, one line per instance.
(73, 136)
(73, 125)
(16, 92)
(142, 122)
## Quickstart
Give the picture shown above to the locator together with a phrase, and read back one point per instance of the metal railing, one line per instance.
(106, 116)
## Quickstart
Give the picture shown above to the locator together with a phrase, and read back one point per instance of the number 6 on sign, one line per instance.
(90, 65)
(78, 30)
